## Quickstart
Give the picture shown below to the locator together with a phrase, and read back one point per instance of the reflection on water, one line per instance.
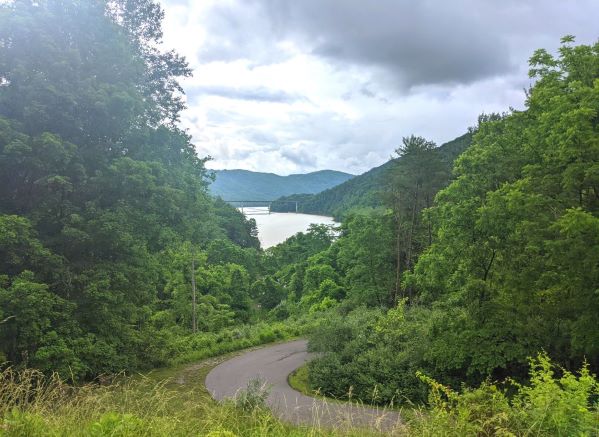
(277, 227)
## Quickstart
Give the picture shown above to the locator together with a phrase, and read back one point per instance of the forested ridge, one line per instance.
(365, 190)
(251, 185)
(461, 284)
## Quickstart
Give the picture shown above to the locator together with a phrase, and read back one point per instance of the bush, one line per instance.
(370, 354)
(549, 406)
(22, 424)
(254, 396)
(116, 425)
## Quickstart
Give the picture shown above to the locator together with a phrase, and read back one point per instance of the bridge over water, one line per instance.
(257, 207)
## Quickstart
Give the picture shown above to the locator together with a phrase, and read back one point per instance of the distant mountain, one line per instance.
(249, 185)
(363, 191)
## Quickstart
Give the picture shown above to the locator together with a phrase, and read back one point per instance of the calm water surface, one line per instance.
(276, 227)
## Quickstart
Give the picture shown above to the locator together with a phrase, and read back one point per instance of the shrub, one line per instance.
(254, 396)
(549, 406)
(116, 425)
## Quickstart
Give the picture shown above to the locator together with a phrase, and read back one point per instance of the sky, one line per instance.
(294, 86)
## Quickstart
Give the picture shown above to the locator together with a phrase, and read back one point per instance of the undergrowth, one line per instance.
(32, 404)
(554, 403)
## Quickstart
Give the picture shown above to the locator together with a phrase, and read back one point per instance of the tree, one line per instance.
(510, 263)
(100, 192)
(366, 258)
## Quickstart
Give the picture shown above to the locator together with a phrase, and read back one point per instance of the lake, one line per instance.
(276, 227)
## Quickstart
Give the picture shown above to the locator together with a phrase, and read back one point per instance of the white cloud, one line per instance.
(272, 92)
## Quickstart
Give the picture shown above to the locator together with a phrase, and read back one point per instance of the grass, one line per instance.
(165, 402)
(174, 402)
(32, 405)
(298, 380)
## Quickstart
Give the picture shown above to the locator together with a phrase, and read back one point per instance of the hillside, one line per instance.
(363, 191)
(249, 185)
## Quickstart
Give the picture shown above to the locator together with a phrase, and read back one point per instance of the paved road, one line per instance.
(273, 364)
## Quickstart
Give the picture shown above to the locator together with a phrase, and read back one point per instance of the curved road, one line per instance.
(274, 364)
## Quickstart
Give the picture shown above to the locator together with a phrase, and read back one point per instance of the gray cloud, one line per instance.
(239, 30)
(258, 136)
(371, 71)
(299, 157)
(416, 42)
(259, 94)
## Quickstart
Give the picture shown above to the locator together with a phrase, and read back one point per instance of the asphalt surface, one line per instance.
(273, 364)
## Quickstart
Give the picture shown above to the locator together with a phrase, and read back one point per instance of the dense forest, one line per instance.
(455, 268)
(103, 200)
(365, 190)
(503, 265)
(251, 185)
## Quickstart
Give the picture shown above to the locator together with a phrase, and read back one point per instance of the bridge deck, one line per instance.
(242, 204)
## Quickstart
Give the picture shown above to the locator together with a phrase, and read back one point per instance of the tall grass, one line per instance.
(32, 404)
(555, 403)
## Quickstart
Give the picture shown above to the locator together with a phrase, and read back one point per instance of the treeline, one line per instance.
(365, 190)
(103, 200)
(464, 276)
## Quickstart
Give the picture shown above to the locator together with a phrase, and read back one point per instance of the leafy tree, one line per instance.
(511, 263)
(267, 292)
(366, 258)
(34, 320)
(102, 197)
(417, 175)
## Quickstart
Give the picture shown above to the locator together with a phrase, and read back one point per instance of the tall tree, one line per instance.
(516, 259)
(416, 176)
(96, 179)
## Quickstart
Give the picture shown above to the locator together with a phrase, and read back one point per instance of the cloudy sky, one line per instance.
(292, 86)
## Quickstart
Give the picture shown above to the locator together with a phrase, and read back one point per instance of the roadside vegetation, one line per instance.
(461, 287)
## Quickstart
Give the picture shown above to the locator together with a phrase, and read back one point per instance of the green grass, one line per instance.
(298, 380)
(32, 405)
(174, 402)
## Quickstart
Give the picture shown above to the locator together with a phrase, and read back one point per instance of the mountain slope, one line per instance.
(249, 185)
(363, 191)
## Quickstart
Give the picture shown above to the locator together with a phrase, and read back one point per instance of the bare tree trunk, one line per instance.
(194, 322)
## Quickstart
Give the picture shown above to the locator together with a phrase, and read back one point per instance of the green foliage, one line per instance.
(31, 405)
(32, 313)
(516, 255)
(249, 185)
(367, 190)
(105, 220)
(512, 268)
(298, 380)
(254, 396)
(549, 406)
(300, 247)
(103, 201)
(365, 257)
(115, 424)
(371, 356)
(267, 292)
